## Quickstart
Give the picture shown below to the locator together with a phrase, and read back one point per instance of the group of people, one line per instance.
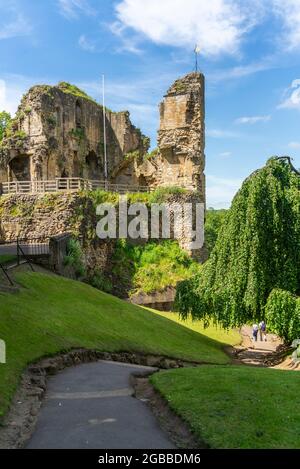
(260, 329)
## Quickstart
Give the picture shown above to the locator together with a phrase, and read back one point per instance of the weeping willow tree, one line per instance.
(257, 250)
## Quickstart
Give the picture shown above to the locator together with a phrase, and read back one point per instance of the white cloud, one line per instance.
(225, 154)
(13, 23)
(288, 12)
(294, 145)
(241, 71)
(292, 99)
(129, 43)
(252, 119)
(71, 9)
(218, 26)
(10, 95)
(220, 191)
(220, 133)
(86, 44)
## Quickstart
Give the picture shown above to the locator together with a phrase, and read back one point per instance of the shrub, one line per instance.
(283, 314)
(101, 282)
(152, 266)
(5, 120)
(74, 258)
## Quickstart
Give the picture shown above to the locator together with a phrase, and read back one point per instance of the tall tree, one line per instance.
(257, 250)
(5, 119)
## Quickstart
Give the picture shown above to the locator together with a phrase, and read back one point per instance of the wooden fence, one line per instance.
(67, 184)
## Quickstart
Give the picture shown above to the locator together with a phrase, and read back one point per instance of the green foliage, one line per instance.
(180, 87)
(74, 258)
(213, 224)
(5, 120)
(159, 195)
(257, 250)
(101, 282)
(74, 90)
(20, 134)
(146, 142)
(152, 266)
(283, 314)
(132, 155)
(100, 196)
(79, 134)
(51, 120)
(152, 154)
(162, 194)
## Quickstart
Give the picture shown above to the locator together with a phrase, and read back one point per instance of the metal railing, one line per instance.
(26, 249)
(2, 267)
(67, 184)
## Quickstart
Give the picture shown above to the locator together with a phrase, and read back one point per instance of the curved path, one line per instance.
(255, 353)
(92, 406)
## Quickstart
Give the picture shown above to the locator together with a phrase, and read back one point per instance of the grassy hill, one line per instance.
(52, 314)
(236, 406)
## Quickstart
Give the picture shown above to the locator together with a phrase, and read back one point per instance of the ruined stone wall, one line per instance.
(58, 134)
(44, 216)
(181, 134)
(38, 216)
(181, 138)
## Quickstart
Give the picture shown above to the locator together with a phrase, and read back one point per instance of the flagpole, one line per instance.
(197, 52)
(104, 132)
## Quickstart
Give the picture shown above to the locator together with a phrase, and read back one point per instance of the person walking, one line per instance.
(263, 331)
(254, 332)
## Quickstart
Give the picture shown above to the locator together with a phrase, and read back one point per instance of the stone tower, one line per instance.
(181, 136)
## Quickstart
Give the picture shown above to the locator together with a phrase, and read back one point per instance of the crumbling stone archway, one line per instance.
(19, 168)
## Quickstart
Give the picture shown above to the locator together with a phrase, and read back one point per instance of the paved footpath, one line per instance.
(254, 353)
(92, 406)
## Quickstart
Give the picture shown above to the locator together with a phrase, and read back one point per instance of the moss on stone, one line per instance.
(74, 90)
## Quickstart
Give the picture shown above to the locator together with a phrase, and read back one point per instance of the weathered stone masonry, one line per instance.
(57, 134)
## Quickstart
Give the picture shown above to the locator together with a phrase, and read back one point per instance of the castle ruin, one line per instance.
(58, 133)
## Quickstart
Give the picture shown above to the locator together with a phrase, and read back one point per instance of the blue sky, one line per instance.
(250, 55)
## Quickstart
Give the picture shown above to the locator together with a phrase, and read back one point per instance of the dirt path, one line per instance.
(256, 353)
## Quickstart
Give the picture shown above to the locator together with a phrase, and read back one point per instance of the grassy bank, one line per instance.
(53, 314)
(236, 406)
(231, 337)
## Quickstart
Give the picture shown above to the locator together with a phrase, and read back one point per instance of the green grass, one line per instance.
(52, 314)
(236, 406)
(231, 337)
(152, 266)
(6, 258)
